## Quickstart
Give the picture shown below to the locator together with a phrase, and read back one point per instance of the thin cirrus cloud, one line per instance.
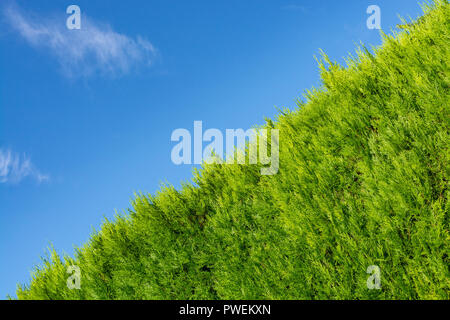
(14, 168)
(94, 49)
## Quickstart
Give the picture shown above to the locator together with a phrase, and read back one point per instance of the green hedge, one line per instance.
(363, 181)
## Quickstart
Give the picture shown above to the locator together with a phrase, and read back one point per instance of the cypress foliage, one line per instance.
(363, 181)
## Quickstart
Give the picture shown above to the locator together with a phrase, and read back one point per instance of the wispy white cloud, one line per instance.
(95, 48)
(14, 168)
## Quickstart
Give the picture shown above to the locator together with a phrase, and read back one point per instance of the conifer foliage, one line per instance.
(363, 180)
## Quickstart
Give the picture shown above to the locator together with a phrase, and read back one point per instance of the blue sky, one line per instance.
(86, 118)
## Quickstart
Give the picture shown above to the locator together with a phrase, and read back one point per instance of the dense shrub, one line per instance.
(363, 181)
